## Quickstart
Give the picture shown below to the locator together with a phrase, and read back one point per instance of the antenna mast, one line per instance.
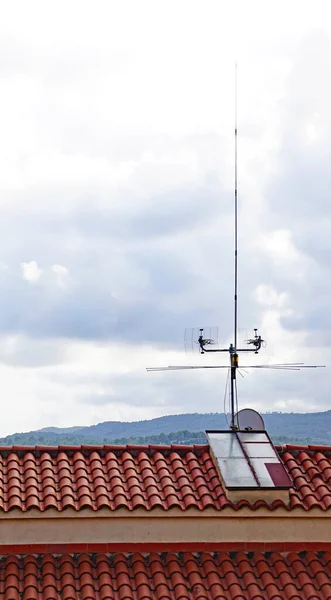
(256, 341)
(235, 209)
(233, 355)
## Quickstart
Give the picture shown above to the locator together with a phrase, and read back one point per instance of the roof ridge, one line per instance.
(311, 447)
(115, 447)
(123, 447)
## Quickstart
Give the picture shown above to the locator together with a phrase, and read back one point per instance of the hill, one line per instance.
(312, 428)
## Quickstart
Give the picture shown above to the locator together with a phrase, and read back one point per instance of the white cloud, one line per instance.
(30, 271)
(62, 275)
(269, 296)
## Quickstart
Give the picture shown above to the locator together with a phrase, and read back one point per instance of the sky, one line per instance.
(116, 204)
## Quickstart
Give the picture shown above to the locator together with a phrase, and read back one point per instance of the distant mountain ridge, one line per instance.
(313, 428)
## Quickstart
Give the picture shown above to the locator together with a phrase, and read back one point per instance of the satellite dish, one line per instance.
(248, 419)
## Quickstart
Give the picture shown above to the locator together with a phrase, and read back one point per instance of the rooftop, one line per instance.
(167, 576)
(146, 477)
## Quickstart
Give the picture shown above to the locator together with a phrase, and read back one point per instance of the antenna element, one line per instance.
(235, 210)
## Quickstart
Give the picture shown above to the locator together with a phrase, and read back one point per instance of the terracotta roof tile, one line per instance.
(146, 477)
(97, 477)
(187, 576)
(310, 470)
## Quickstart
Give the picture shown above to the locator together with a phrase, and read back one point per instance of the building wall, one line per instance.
(246, 529)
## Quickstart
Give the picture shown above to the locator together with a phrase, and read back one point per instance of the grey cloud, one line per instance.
(199, 391)
(298, 197)
(171, 392)
(302, 187)
(144, 268)
(167, 214)
(142, 271)
(26, 352)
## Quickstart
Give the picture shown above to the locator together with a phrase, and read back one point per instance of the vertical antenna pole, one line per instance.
(233, 348)
(235, 214)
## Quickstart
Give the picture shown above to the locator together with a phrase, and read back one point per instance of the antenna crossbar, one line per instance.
(280, 367)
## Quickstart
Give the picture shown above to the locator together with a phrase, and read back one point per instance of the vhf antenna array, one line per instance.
(256, 342)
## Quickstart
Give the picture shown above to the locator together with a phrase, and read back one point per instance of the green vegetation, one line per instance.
(301, 429)
(177, 437)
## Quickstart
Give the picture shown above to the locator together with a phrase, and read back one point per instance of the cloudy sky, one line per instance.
(116, 200)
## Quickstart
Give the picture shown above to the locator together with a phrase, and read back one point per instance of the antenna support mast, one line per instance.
(233, 359)
(235, 209)
(256, 342)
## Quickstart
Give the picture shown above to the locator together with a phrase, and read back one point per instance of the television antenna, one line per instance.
(254, 344)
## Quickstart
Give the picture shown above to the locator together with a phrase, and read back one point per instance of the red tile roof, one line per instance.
(145, 477)
(309, 468)
(187, 576)
(110, 477)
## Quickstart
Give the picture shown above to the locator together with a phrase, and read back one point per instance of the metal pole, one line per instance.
(235, 216)
(233, 377)
(233, 348)
(233, 367)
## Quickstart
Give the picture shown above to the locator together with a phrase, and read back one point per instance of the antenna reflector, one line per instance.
(249, 419)
(192, 334)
